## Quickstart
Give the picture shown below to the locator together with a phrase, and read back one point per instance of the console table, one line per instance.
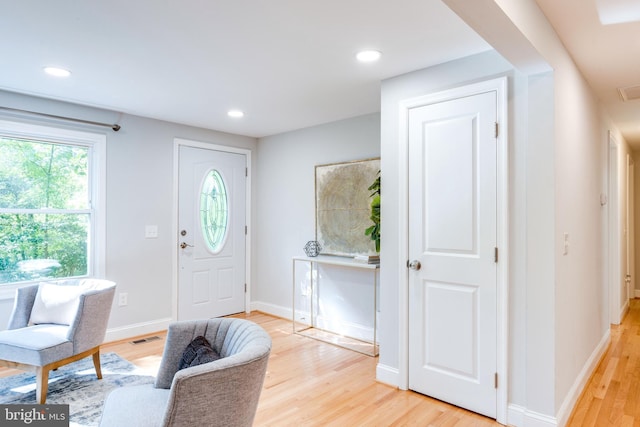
(310, 328)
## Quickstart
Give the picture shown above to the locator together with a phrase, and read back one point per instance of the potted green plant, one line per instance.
(374, 230)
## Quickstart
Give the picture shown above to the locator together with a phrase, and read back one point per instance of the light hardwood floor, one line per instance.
(311, 383)
(612, 396)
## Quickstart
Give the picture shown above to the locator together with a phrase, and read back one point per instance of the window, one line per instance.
(51, 221)
(214, 211)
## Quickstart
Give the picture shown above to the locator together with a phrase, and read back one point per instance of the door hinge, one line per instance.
(245, 288)
(497, 131)
(495, 380)
(246, 171)
(495, 254)
(246, 230)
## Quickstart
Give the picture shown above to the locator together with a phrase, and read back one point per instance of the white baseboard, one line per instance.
(581, 381)
(129, 331)
(520, 416)
(274, 310)
(349, 329)
(387, 374)
(636, 293)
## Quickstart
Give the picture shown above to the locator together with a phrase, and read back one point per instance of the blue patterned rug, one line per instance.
(76, 384)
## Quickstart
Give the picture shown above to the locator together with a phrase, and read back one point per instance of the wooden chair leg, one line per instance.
(42, 384)
(42, 372)
(96, 363)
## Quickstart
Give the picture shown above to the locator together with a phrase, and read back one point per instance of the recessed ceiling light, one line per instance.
(368, 56)
(235, 113)
(618, 11)
(58, 72)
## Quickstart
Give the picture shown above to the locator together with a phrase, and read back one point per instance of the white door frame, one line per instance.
(628, 231)
(614, 233)
(631, 225)
(177, 143)
(500, 86)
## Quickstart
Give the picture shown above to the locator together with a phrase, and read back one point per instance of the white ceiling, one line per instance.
(603, 36)
(287, 64)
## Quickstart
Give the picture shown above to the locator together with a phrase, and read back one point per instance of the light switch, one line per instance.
(151, 232)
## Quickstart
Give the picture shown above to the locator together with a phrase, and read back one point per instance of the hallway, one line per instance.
(612, 396)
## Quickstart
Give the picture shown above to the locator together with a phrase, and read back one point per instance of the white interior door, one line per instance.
(452, 242)
(211, 228)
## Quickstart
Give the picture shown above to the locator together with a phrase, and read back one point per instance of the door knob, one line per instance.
(184, 245)
(414, 265)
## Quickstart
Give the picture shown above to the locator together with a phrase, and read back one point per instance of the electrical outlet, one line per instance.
(122, 299)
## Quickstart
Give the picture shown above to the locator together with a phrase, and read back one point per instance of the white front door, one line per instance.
(452, 241)
(211, 228)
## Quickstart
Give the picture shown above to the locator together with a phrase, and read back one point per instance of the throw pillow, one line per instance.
(55, 304)
(198, 351)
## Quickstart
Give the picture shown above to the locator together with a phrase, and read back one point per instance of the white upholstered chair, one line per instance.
(56, 323)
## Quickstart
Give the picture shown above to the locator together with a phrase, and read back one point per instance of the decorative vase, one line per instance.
(312, 248)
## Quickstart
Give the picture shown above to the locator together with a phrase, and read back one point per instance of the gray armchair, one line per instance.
(44, 334)
(221, 393)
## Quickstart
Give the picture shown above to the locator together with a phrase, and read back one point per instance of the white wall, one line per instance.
(571, 287)
(285, 202)
(581, 327)
(540, 318)
(139, 193)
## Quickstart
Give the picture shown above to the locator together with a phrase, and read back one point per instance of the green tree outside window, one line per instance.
(44, 210)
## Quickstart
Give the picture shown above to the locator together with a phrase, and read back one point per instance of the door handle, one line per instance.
(184, 245)
(414, 265)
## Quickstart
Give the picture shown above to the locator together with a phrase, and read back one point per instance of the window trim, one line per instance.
(96, 143)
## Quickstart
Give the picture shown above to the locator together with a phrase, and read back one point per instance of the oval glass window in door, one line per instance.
(214, 211)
